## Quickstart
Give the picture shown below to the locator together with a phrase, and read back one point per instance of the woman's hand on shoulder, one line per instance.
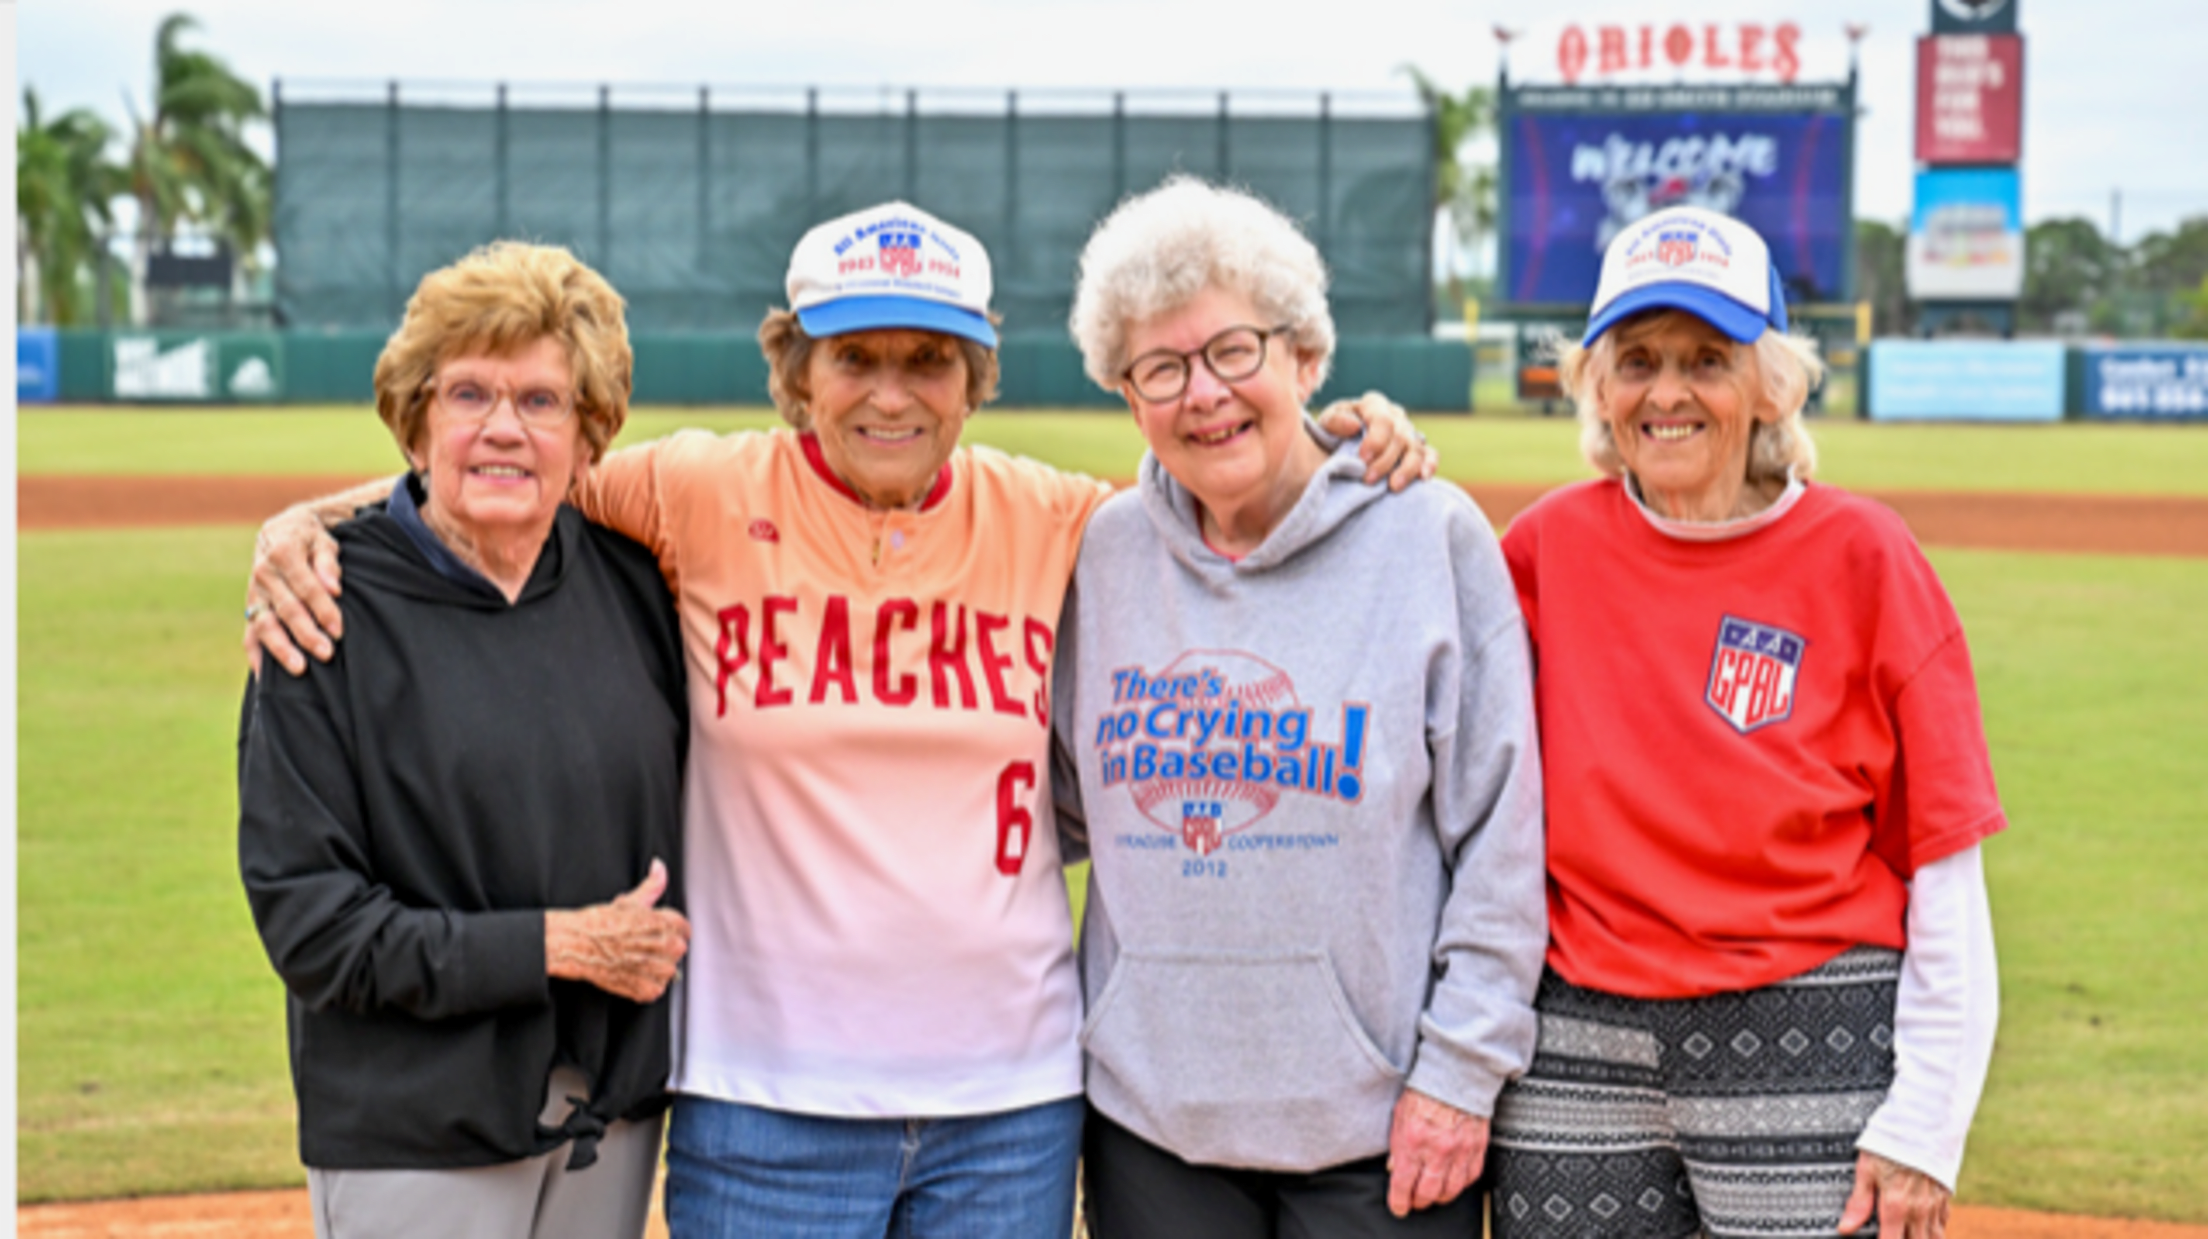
(1435, 1151)
(628, 946)
(1909, 1204)
(291, 601)
(1393, 448)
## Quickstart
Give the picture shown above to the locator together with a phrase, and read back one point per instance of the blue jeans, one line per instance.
(743, 1170)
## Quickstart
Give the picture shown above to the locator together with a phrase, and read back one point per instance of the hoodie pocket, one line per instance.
(1252, 1060)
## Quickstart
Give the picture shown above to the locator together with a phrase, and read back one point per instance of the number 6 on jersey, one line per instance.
(1015, 825)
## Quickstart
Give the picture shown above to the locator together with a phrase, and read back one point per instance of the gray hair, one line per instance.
(1157, 251)
(1790, 369)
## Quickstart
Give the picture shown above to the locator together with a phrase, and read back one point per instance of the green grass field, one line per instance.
(2094, 681)
(2167, 460)
(150, 1032)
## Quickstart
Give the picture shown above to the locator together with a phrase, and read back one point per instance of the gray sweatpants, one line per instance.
(536, 1198)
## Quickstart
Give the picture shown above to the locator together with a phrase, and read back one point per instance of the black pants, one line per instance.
(1136, 1190)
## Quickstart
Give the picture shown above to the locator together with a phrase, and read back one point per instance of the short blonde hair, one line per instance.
(1788, 365)
(1158, 250)
(500, 299)
(789, 351)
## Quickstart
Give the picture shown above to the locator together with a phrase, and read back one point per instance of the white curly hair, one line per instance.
(1158, 250)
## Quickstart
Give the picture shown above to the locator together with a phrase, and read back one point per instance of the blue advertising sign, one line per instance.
(37, 365)
(1996, 191)
(2162, 383)
(1575, 180)
(1966, 380)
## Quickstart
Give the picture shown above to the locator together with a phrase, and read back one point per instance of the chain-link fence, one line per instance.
(690, 201)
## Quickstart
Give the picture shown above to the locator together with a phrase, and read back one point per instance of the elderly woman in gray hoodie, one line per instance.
(1295, 731)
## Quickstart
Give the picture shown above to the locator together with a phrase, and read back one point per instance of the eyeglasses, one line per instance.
(1231, 356)
(471, 401)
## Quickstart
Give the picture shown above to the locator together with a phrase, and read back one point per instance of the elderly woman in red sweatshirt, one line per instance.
(1770, 996)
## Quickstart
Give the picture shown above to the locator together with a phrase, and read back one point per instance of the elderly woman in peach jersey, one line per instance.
(878, 1028)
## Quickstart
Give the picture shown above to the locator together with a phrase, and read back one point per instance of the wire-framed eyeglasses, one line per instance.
(472, 401)
(1235, 354)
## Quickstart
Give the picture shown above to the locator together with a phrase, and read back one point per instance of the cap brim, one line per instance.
(1737, 321)
(848, 314)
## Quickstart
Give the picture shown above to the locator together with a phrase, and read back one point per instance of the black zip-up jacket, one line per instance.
(409, 810)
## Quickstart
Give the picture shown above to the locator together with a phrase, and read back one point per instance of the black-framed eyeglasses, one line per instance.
(1233, 355)
(472, 401)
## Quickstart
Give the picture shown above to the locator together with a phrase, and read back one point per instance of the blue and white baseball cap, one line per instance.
(1686, 258)
(891, 266)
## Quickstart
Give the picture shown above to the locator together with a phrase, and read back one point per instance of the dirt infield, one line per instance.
(221, 1215)
(2095, 524)
(283, 1215)
(71, 501)
(2006, 521)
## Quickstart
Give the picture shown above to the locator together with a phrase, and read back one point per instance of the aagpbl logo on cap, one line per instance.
(900, 253)
(898, 242)
(1678, 247)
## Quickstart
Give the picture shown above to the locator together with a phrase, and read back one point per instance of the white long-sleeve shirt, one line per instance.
(1944, 1021)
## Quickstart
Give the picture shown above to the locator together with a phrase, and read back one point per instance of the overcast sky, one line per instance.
(2116, 93)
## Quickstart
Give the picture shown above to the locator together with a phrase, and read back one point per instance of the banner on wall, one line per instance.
(1576, 179)
(37, 365)
(160, 366)
(1966, 236)
(1966, 380)
(2161, 383)
(1970, 98)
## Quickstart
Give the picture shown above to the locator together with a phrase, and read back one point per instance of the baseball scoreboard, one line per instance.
(1581, 163)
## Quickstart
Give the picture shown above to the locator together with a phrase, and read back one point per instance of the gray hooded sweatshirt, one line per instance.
(1309, 784)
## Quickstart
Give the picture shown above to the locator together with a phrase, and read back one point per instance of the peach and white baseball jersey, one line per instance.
(879, 924)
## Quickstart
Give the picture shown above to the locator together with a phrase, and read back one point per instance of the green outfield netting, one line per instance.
(692, 212)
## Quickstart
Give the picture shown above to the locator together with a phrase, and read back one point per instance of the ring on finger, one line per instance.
(253, 611)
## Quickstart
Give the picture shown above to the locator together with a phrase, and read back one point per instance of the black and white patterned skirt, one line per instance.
(1733, 1115)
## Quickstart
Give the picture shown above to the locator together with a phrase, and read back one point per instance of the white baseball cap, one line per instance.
(891, 266)
(1686, 258)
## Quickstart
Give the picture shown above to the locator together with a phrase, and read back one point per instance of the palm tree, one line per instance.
(64, 183)
(189, 160)
(1465, 190)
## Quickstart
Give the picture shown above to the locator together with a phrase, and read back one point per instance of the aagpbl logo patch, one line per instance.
(1753, 672)
(900, 252)
(1675, 248)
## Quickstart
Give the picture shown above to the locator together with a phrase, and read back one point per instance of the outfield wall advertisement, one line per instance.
(1966, 381)
(2158, 383)
(37, 365)
(1576, 179)
(229, 366)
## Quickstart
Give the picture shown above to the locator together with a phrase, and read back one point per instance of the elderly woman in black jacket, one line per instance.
(459, 836)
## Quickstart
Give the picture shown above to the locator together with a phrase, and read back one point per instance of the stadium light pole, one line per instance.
(1499, 237)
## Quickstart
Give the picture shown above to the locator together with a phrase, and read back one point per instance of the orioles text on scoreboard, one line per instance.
(1744, 47)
